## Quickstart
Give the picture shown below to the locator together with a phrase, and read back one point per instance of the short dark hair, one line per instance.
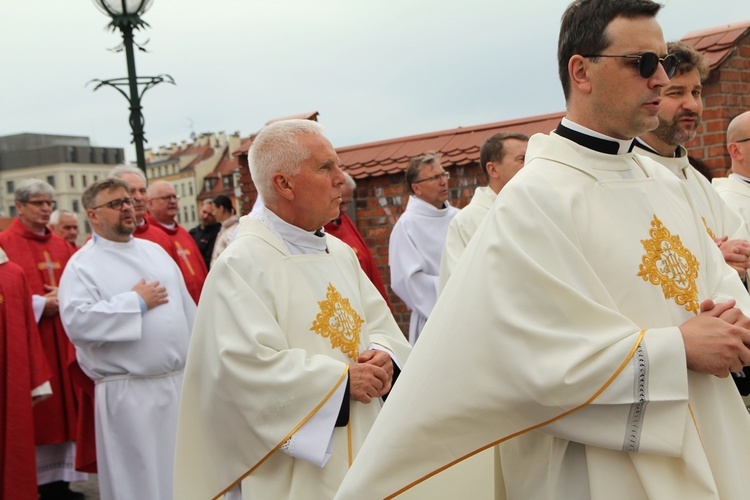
(224, 202)
(88, 197)
(690, 59)
(415, 166)
(583, 25)
(493, 149)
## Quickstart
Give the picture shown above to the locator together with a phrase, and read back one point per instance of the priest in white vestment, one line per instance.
(595, 340)
(126, 309)
(293, 346)
(735, 189)
(500, 157)
(418, 237)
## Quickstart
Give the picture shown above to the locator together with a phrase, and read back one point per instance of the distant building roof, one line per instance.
(716, 44)
(458, 146)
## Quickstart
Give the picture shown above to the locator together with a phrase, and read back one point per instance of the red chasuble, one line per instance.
(43, 259)
(150, 232)
(187, 255)
(347, 232)
(23, 367)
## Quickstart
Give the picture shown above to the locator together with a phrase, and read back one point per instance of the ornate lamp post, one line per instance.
(125, 16)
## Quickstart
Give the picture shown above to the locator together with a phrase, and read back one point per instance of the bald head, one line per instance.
(738, 143)
(162, 202)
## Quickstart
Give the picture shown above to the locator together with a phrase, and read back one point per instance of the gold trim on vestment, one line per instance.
(532, 428)
(288, 436)
(349, 441)
(339, 322)
(708, 229)
(671, 265)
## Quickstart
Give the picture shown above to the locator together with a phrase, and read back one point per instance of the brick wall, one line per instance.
(726, 94)
(380, 201)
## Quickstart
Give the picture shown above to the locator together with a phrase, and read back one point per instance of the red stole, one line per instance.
(23, 367)
(43, 258)
(187, 255)
(347, 232)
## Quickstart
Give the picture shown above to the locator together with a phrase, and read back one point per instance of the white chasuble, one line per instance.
(557, 337)
(718, 216)
(274, 336)
(135, 358)
(461, 228)
(735, 190)
(414, 251)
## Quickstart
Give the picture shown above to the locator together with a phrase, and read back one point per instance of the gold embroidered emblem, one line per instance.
(669, 264)
(708, 229)
(338, 321)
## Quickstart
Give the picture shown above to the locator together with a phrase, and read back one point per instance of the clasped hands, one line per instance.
(717, 339)
(736, 253)
(370, 377)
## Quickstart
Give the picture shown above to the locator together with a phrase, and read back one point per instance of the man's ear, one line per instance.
(492, 169)
(283, 185)
(578, 69)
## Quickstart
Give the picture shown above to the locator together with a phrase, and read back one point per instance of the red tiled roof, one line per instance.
(245, 146)
(459, 146)
(716, 44)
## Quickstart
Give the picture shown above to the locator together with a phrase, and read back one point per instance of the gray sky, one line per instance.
(374, 70)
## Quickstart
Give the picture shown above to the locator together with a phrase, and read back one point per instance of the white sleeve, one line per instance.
(37, 303)
(313, 442)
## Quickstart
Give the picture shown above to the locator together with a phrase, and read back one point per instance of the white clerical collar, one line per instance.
(740, 177)
(171, 225)
(640, 143)
(592, 139)
(296, 239)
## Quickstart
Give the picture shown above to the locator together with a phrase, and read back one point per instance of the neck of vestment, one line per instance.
(23, 230)
(591, 139)
(416, 204)
(297, 240)
(677, 164)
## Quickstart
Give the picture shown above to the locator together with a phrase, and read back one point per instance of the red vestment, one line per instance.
(188, 257)
(43, 258)
(150, 232)
(347, 232)
(23, 367)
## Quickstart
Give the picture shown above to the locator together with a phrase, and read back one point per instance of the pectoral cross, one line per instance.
(50, 267)
(184, 256)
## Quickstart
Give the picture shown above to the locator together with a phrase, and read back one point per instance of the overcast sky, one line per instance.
(373, 69)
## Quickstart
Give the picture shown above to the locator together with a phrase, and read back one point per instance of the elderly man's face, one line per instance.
(163, 204)
(138, 192)
(681, 109)
(67, 228)
(625, 105)
(207, 214)
(35, 212)
(431, 185)
(317, 186)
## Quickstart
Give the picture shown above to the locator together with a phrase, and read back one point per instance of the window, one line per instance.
(51, 180)
(227, 182)
(12, 210)
(72, 180)
(83, 179)
(11, 187)
(191, 188)
(192, 213)
(76, 207)
(184, 211)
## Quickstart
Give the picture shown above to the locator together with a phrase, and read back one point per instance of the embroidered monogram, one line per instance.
(669, 264)
(338, 321)
(708, 229)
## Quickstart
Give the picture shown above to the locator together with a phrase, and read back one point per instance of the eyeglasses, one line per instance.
(41, 203)
(648, 62)
(436, 177)
(116, 204)
(168, 197)
(743, 140)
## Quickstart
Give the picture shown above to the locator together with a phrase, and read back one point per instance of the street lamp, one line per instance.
(125, 16)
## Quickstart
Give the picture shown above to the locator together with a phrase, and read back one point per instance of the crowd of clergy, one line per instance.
(579, 330)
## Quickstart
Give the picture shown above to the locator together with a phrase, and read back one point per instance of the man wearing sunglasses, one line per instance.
(127, 310)
(588, 328)
(43, 255)
(417, 239)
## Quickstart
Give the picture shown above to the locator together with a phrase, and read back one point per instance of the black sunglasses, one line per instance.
(648, 62)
